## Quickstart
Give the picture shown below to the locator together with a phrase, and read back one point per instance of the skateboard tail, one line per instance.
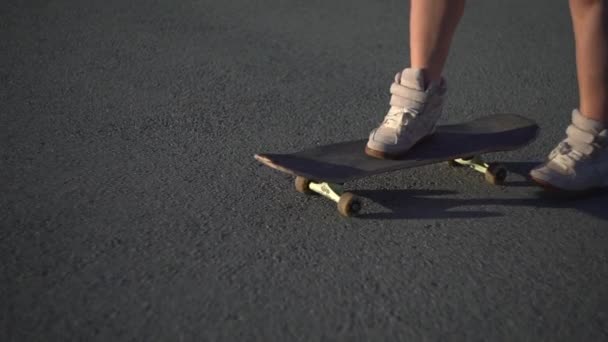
(268, 162)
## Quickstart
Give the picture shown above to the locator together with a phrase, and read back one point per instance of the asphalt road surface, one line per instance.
(132, 207)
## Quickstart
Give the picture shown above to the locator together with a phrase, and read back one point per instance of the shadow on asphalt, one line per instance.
(522, 169)
(432, 204)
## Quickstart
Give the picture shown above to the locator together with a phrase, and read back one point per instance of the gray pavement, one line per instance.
(132, 207)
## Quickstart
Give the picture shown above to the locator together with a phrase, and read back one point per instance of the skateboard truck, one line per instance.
(348, 203)
(494, 173)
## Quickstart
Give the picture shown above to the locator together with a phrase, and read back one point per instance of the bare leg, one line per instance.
(432, 26)
(590, 22)
(580, 162)
(417, 94)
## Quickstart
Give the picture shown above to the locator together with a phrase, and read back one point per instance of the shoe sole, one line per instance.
(559, 192)
(381, 155)
(384, 155)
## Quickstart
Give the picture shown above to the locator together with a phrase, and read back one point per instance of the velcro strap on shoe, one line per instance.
(409, 93)
(578, 134)
(406, 97)
(581, 140)
(602, 138)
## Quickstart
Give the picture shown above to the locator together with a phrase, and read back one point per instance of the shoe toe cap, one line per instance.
(548, 177)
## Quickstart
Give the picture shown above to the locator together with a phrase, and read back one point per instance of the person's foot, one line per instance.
(579, 163)
(415, 109)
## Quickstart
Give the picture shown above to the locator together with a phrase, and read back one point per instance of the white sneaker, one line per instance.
(413, 115)
(580, 162)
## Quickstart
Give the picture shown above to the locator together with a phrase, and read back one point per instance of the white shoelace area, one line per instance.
(400, 117)
(565, 156)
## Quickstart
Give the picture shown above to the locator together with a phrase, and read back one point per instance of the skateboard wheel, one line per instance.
(302, 184)
(496, 174)
(349, 205)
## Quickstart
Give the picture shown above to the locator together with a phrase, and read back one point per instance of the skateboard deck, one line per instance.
(346, 161)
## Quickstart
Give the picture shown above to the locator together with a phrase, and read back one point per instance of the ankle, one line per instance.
(431, 76)
(585, 121)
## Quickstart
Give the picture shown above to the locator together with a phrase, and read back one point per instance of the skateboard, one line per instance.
(324, 169)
